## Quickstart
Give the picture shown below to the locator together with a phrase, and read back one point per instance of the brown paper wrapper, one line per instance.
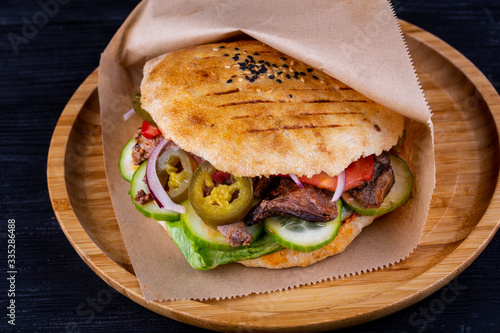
(357, 42)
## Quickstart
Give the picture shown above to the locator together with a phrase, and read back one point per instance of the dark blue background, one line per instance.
(54, 287)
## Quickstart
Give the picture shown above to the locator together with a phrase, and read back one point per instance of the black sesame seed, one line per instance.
(247, 61)
(246, 77)
(255, 77)
(290, 95)
(302, 73)
(315, 77)
(237, 49)
(236, 58)
(274, 65)
(263, 69)
(221, 47)
(261, 61)
(295, 73)
(249, 57)
(309, 70)
(256, 53)
(229, 81)
(271, 77)
(296, 77)
(237, 54)
(282, 58)
(226, 55)
(242, 64)
(278, 80)
(280, 72)
(288, 76)
(268, 64)
(284, 65)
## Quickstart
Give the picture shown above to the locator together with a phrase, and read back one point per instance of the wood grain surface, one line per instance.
(464, 213)
(56, 290)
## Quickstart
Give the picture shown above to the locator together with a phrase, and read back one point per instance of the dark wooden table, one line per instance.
(41, 67)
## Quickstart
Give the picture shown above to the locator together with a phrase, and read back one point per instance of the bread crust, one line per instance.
(287, 118)
(289, 258)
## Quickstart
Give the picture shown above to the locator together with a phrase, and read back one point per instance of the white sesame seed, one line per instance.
(302, 79)
(291, 70)
(292, 63)
(215, 49)
(258, 89)
(269, 91)
(240, 79)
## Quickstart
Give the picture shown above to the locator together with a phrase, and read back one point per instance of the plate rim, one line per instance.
(396, 299)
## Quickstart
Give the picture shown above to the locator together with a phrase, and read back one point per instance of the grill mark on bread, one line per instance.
(294, 127)
(224, 92)
(334, 101)
(327, 113)
(257, 101)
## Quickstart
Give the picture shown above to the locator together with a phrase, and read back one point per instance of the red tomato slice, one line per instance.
(220, 176)
(356, 174)
(149, 131)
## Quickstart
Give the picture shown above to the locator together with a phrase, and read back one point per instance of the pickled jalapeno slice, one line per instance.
(175, 169)
(223, 203)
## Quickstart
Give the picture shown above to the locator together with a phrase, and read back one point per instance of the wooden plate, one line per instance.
(463, 218)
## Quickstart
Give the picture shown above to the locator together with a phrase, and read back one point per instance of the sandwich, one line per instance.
(248, 155)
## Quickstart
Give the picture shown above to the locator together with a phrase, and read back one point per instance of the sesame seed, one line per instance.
(240, 79)
(280, 72)
(227, 66)
(215, 49)
(221, 47)
(290, 95)
(226, 55)
(256, 53)
(278, 80)
(258, 89)
(296, 77)
(269, 91)
(322, 81)
(237, 49)
(291, 70)
(261, 61)
(309, 70)
(282, 58)
(271, 77)
(302, 73)
(249, 57)
(247, 61)
(268, 64)
(261, 76)
(284, 65)
(263, 69)
(315, 77)
(246, 77)
(302, 79)
(236, 58)
(229, 81)
(292, 63)
(274, 65)
(288, 76)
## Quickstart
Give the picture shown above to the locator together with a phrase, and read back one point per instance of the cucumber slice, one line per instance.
(126, 164)
(207, 235)
(300, 235)
(346, 213)
(398, 195)
(150, 209)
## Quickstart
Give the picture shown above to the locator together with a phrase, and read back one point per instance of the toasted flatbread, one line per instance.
(253, 111)
(289, 258)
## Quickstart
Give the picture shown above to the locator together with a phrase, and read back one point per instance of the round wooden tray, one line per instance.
(463, 217)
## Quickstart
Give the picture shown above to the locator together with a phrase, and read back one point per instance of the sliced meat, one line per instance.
(371, 194)
(143, 147)
(236, 233)
(308, 203)
(142, 198)
(262, 185)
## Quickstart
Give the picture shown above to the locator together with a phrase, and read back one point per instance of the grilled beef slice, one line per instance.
(372, 193)
(236, 233)
(143, 147)
(308, 203)
(262, 185)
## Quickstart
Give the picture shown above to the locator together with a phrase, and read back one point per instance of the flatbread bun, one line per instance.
(252, 111)
(289, 258)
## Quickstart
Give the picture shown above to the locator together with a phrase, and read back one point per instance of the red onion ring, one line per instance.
(157, 191)
(296, 180)
(340, 186)
(128, 114)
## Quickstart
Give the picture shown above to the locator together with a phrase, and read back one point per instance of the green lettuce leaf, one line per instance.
(203, 258)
